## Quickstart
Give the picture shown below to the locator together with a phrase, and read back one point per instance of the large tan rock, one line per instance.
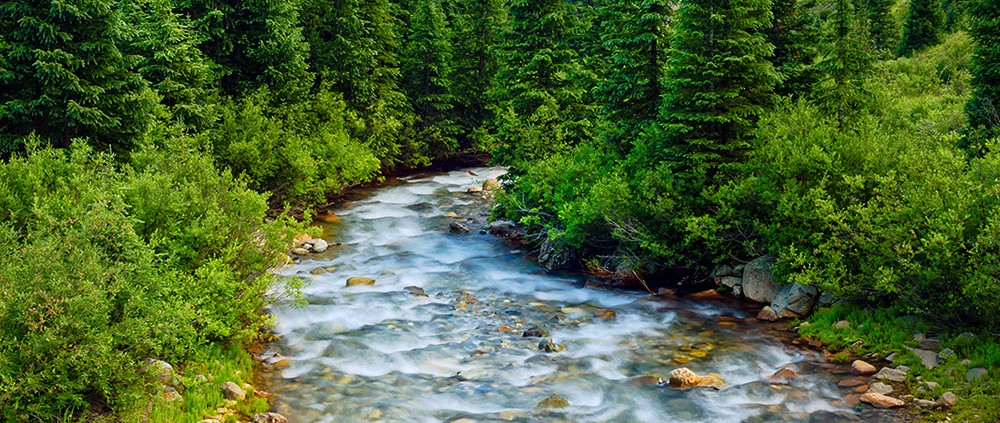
(683, 378)
(863, 368)
(881, 401)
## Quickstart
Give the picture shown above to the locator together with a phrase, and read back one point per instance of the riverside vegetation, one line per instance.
(154, 150)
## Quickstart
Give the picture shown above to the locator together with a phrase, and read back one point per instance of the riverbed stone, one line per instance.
(548, 345)
(534, 332)
(862, 368)
(977, 374)
(795, 300)
(758, 281)
(269, 418)
(360, 280)
(892, 375)
(605, 314)
(232, 391)
(299, 251)
(316, 245)
(948, 399)
(880, 388)
(783, 376)
(459, 228)
(767, 313)
(881, 401)
(491, 184)
(554, 401)
(683, 378)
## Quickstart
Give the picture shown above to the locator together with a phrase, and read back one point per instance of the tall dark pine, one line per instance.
(845, 61)
(64, 76)
(541, 87)
(634, 35)
(476, 26)
(882, 25)
(719, 80)
(922, 27)
(255, 43)
(984, 106)
(793, 33)
(427, 73)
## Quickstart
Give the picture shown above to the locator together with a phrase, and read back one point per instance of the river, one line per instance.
(440, 336)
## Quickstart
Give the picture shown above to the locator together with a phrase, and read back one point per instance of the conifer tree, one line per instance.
(922, 27)
(541, 86)
(64, 75)
(984, 105)
(171, 61)
(427, 74)
(845, 60)
(476, 26)
(256, 43)
(635, 36)
(793, 34)
(719, 80)
(883, 30)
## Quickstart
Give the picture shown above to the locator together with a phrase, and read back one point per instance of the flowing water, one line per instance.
(439, 337)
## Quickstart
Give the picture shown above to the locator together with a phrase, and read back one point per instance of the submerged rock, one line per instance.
(683, 378)
(554, 401)
(360, 280)
(459, 228)
(548, 345)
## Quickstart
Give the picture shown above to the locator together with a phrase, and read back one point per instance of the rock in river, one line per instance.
(360, 280)
(685, 378)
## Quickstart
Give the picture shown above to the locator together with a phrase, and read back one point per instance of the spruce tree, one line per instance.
(476, 26)
(64, 75)
(719, 80)
(256, 43)
(883, 29)
(793, 33)
(171, 61)
(634, 35)
(426, 68)
(541, 89)
(845, 61)
(983, 107)
(922, 27)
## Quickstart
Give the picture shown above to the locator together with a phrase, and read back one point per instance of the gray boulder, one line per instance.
(232, 391)
(795, 300)
(730, 284)
(758, 282)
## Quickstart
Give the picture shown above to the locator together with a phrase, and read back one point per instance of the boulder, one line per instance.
(948, 399)
(881, 401)
(731, 284)
(767, 313)
(928, 359)
(549, 346)
(163, 370)
(880, 388)
(783, 376)
(300, 251)
(892, 375)
(862, 368)
(554, 401)
(360, 280)
(922, 403)
(269, 418)
(977, 374)
(459, 228)
(722, 270)
(683, 378)
(758, 282)
(795, 300)
(317, 245)
(843, 324)
(945, 355)
(491, 184)
(232, 391)
(930, 344)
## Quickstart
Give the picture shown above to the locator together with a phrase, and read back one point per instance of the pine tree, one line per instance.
(256, 43)
(64, 75)
(541, 86)
(845, 61)
(883, 30)
(634, 35)
(476, 26)
(426, 69)
(171, 61)
(983, 107)
(922, 27)
(793, 33)
(719, 80)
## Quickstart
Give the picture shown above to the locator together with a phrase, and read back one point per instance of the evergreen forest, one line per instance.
(157, 157)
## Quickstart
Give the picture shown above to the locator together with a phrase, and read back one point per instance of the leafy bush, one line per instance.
(108, 265)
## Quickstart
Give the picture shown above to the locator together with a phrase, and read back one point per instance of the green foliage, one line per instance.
(882, 25)
(299, 154)
(922, 27)
(541, 102)
(475, 25)
(845, 61)
(984, 106)
(107, 266)
(64, 75)
(793, 33)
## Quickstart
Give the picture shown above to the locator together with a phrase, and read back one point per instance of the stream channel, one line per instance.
(439, 336)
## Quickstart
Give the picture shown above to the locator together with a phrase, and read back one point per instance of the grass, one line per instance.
(876, 333)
